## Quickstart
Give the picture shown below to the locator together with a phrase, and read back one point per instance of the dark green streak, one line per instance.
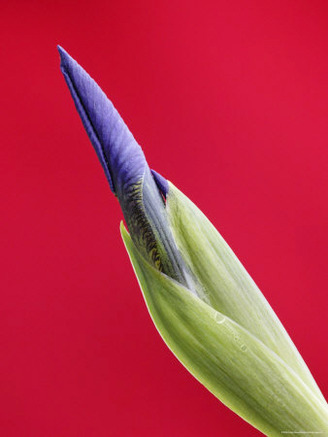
(145, 215)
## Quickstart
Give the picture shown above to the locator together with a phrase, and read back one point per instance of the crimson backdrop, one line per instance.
(230, 101)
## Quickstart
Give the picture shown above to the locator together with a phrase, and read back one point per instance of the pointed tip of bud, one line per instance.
(119, 153)
(67, 63)
(83, 90)
(63, 55)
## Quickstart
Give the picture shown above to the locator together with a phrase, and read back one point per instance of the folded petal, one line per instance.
(119, 153)
(139, 191)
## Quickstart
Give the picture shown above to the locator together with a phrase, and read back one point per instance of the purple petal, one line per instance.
(161, 183)
(138, 190)
(120, 155)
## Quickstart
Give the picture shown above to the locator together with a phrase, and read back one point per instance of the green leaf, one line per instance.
(225, 284)
(232, 363)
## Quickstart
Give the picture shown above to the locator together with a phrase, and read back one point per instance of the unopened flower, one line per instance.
(204, 304)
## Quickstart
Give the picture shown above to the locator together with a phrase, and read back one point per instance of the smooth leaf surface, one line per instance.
(234, 365)
(225, 284)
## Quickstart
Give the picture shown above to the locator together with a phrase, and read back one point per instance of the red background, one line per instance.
(230, 102)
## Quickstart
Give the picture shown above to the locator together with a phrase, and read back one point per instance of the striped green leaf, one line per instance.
(229, 338)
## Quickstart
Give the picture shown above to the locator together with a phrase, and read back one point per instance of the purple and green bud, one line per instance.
(140, 191)
(207, 308)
